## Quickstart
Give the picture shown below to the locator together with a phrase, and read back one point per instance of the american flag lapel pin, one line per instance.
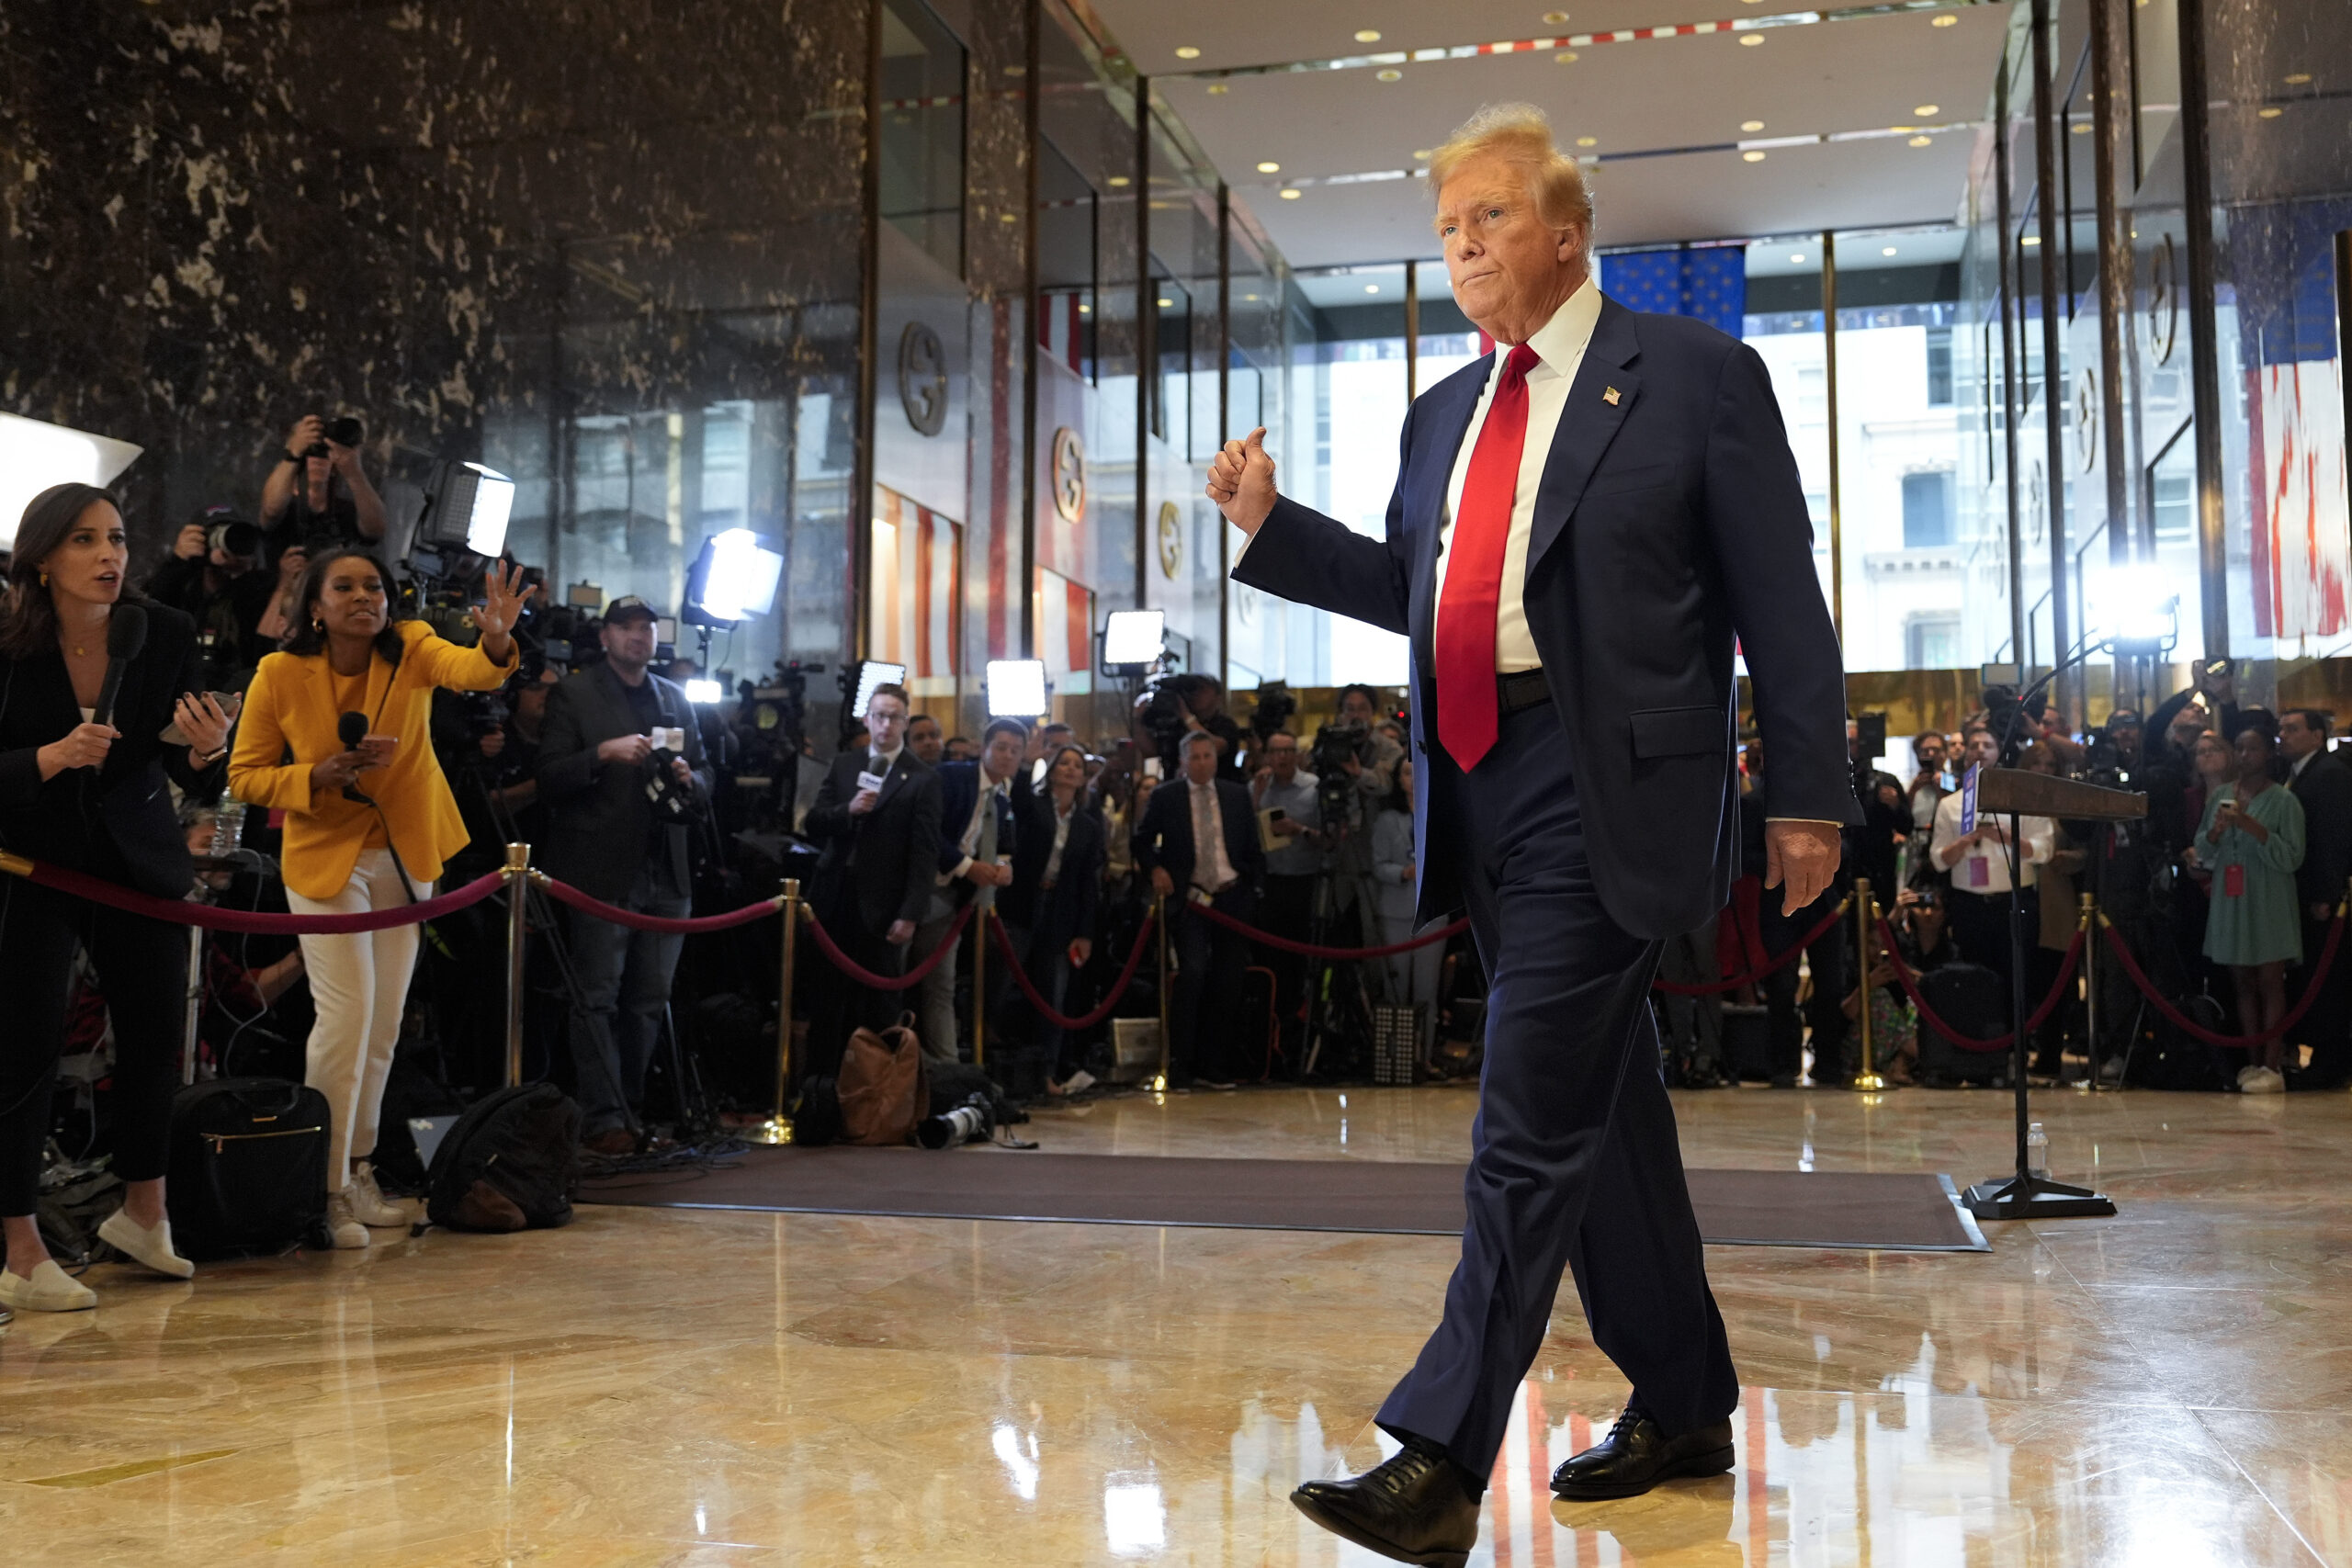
(1609, 397)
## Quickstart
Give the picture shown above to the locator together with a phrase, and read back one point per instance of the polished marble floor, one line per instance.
(670, 1387)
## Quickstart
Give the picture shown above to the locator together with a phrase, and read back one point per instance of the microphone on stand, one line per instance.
(126, 635)
(351, 729)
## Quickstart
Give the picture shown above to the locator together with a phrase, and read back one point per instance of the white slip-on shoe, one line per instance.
(344, 1229)
(149, 1246)
(48, 1289)
(2262, 1080)
(368, 1204)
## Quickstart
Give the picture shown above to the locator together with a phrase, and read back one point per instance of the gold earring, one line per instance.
(317, 625)
(44, 580)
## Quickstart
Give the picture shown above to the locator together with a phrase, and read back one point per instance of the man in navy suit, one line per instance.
(973, 861)
(1198, 842)
(1583, 522)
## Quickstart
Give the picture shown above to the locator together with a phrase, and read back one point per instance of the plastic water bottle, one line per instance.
(2037, 1151)
(227, 828)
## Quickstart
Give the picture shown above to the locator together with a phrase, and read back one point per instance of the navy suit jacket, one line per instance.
(1669, 521)
(1164, 837)
(959, 786)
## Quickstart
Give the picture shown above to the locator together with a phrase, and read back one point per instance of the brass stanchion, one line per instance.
(2090, 990)
(517, 871)
(1866, 929)
(777, 1128)
(1159, 921)
(979, 982)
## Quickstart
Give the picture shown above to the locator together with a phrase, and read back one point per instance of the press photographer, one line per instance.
(622, 777)
(90, 676)
(317, 490)
(216, 579)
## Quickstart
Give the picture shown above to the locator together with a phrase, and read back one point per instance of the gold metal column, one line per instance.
(777, 1128)
(517, 871)
(2090, 990)
(1866, 928)
(1159, 921)
(979, 983)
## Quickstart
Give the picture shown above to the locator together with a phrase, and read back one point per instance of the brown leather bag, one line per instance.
(883, 1088)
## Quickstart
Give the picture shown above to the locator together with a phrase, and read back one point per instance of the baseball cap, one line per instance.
(630, 605)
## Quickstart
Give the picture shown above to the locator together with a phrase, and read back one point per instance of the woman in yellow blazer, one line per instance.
(345, 855)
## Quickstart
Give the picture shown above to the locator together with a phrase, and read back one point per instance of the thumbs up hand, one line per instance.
(1241, 482)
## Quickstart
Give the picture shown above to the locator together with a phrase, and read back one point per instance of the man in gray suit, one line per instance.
(617, 837)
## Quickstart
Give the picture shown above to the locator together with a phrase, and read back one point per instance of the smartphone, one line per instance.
(1277, 815)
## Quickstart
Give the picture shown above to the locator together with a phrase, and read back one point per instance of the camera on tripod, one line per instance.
(1337, 744)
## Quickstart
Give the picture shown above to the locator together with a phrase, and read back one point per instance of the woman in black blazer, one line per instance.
(1057, 884)
(91, 798)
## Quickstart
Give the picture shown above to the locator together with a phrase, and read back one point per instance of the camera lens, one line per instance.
(345, 432)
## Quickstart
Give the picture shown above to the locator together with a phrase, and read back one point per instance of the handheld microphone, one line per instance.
(351, 728)
(126, 635)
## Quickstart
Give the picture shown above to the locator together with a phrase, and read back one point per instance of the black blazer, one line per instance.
(1069, 907)
(880, 865)
(1670, 520)
(1164, 837)
(118, 822)
(959, 786)
(599, 819)
(2324, 789)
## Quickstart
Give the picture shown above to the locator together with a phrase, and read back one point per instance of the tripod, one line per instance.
(1339, 1003)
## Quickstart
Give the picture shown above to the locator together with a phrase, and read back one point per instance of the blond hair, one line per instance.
(1521, 134)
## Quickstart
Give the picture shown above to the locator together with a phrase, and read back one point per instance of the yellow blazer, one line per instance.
(290, 710)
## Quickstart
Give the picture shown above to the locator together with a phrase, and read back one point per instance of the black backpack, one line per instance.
(511, 1163)
(245, 1166)
(1975, 1001)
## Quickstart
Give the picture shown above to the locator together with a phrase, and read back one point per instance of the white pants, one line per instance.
(360, 983)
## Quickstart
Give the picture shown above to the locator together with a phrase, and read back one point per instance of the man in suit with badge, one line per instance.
(1584, 521)
(877, 818)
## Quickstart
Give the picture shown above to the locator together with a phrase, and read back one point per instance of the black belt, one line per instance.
(1522, 689)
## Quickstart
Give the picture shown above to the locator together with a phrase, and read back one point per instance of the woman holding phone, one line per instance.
(368, 826)
(89, 797)
(2252, 841)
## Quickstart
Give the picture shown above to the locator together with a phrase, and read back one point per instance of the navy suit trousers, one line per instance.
(1574, 1163)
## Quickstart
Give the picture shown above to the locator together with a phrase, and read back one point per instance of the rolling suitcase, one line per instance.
(246, 1166)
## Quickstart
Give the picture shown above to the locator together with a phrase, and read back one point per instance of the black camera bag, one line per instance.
(511, 1163)
(245, 1166)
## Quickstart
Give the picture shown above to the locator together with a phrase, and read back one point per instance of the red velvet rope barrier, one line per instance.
(2189, 1026)
(563, 892)
(211, 917)
(1062, 1021)
(865, 976)
(1780, 959)
(1928, 1016)
(1313, 950)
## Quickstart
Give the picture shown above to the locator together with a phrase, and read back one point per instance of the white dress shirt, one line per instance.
(1985, 867)
(992, 790)
(1559, 345)
(1212, 871)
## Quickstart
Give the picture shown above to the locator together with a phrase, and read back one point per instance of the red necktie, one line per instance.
(1467, 714)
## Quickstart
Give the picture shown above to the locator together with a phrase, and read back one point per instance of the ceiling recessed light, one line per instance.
(2082, 129)
(1372, 288)
(1167, 304)
(2298, 79)
(1566, 56)
(2033, 239)
(1218, 89)
(1291, 195)
(1928, 111)
(1390, 76)
(1945, 21)
(1269, 168)
(1886, 250)
(1086, 309)
(1117, 182)
(1753, 157)
(1187, 52)
(1367, 34)
(1016, 71)
(1555, 18)
(1796, 255)
(1750, 40)
(1752, 125)
(1921, 141)
(1252, 298)
(1587, 141)
(2270, 111)
(1422, 154)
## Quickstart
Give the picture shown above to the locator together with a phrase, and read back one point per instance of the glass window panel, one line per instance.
(922, 130)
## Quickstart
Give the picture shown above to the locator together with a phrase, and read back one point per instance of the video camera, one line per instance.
(674, 803)
(1337, 744)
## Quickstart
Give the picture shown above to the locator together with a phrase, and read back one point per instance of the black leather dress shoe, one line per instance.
(1412, 1508)
(1636, 1456)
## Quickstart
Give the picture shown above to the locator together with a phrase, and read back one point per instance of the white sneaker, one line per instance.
(1077, 1082)
(149, 1246)
(2245, 1072)
(2261, 1080)
(344, 1229)
(368, 1204)
(49, 1289)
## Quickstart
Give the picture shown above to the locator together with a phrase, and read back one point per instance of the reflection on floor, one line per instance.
(2170, 1386)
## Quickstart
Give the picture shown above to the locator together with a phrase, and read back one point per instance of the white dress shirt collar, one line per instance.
(1560, 342)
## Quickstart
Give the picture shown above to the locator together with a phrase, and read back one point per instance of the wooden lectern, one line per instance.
(2014, 792)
